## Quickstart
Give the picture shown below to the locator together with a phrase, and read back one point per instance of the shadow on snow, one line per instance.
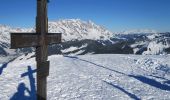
(123, 90)
(20, 94)
(3, 67)
(94, 64)
(140, 78)
(115, 86)
(151, 82)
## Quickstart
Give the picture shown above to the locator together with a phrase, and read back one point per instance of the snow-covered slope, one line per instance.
(90, 77)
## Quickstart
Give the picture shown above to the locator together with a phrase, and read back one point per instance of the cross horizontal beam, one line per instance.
(53, 38)
(21, 40)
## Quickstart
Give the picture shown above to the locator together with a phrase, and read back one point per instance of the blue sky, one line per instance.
(116, 15)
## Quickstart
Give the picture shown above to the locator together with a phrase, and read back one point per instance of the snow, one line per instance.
(71, 49)
(156, 47)
(91, 77)
(77, 53)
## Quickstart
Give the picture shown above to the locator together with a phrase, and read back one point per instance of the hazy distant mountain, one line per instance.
(150, 43)
(138, 31)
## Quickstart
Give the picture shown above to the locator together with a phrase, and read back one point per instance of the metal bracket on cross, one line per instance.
(44, 69)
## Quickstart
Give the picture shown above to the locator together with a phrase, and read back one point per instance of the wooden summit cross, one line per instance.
(41, 39)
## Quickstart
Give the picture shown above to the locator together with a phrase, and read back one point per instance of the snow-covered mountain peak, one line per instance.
(78, 29)
(71, 29)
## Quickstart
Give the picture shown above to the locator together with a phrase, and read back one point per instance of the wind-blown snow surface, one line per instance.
(90, 77)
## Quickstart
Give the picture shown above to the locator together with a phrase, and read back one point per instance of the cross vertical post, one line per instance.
(41, 50)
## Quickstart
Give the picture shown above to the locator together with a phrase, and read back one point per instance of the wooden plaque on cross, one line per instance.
(41, 39)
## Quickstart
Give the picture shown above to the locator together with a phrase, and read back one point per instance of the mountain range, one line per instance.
(85, 37)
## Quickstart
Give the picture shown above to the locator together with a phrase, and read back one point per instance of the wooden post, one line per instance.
(41, 51)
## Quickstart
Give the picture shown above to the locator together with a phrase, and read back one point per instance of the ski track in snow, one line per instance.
(90, 77)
